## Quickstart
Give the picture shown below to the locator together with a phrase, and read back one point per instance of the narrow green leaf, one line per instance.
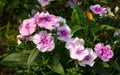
(79, 15)
(75, 28)
(77, 8)
(15, 59)
(58, 69)
(75, 19)
(32, 57)
(107, 27)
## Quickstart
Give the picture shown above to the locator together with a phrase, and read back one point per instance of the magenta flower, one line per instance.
(44, 41)
(78, 53)
(44, 2)
(64, 33)
(104, 52)
(74, 42)
(46, 20)
(89, 59)
(97, 9)
(27, 27)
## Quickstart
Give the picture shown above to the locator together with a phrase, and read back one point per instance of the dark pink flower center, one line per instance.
(104, 51)
(44, 40)
(63, 32)
(98, 9)
(45, 19)
(46, 0)
(27, 26)
(87, 58)
(79, 52)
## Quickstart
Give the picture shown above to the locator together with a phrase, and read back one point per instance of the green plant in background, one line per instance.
(28, 56)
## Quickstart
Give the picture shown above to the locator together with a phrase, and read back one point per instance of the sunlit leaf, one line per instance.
(15, 59)
(75, 19)
(107, 27)
(32, 57)
(58, 69)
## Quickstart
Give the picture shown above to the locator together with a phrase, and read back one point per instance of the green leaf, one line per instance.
(78, 15)
(58, 69)
(32, 57)
(75, 19)
(15, 59)
(105, 64)
(75, 28)
(107, 27)
(77, 8)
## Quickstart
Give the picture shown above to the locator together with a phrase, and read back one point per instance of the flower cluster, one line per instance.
(86, 56)
(35, 29)
(103, 12)
(39, 28)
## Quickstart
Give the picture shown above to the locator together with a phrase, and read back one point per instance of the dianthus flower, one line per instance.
(74, 42)
(63, 33)
(44, 41)
(97, 9)
(78, 53)
(46, 20)
(89, 59)
(27, 27)
(104, 52)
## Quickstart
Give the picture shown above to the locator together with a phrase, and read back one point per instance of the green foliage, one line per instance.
(58, 69)
(15, 59)
(30, 61)
(32, 57)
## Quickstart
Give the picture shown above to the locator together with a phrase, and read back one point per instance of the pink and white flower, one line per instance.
(97, 9)
(89, 59)
(46, 20)
(78, 53)
(27, 27)
(104, 52)
(63, 33)
(74, 42)
(44, 41)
